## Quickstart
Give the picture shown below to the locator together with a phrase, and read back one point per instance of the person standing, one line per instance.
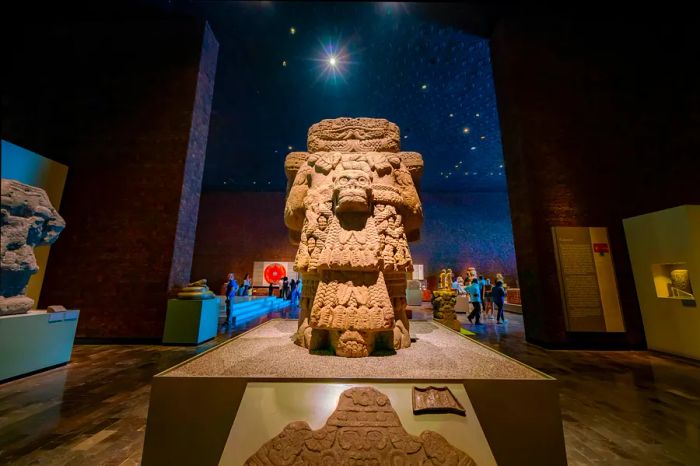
(475, 298)
(284, 288)
(498, 296)
(231, 289)
(246, 285)
(292, 289)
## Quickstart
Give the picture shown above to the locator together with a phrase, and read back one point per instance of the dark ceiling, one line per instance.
(273, 82)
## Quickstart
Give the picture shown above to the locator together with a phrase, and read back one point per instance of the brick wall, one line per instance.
(114, 100)
(599, 123)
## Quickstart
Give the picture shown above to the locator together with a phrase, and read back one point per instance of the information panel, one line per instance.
(587, 280)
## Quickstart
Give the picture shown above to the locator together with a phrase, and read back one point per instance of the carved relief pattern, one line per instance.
(352, 206)
(363, 430)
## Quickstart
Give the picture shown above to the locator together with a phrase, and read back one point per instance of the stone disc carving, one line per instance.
(363, 430)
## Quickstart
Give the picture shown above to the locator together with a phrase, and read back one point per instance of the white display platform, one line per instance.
(462, 304)
(35, 340)
(195, 405)
(267, 407)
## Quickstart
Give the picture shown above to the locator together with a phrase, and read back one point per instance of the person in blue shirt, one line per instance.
(498, 296)
(474, 291)
(231, 289)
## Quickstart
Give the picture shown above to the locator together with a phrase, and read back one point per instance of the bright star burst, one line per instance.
(333, 62)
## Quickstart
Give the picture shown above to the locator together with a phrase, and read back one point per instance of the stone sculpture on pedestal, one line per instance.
(196, 291)
(352, 207)
(363, 429)
(28, 220)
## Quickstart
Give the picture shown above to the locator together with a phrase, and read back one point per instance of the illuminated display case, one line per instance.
(672, 280)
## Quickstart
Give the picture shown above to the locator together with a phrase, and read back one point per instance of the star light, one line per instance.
(333, 61)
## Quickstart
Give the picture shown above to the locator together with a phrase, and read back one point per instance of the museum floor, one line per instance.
(617, 407)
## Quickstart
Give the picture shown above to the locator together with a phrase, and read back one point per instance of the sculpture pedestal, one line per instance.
(221, 406)
(462, 304)
(191, 322)
(35, 340)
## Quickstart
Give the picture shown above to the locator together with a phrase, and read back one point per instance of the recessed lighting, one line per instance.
(284, 62)
(253, 182)
(333, 61)
(289, 147)
(472, 148)
(292, 30)
(483, 137)
(451, 115)
(224, 182)
(477, 115)
(500, 166)
(465, 130)
(424, 86)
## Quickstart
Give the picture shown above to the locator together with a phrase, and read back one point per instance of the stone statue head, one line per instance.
(352, 190)
(28, 220)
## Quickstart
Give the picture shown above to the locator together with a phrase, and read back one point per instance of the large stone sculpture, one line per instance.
(364, 429)
(28, 220)
(352, 207)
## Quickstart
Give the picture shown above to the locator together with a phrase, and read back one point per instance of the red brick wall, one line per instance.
(599, 123)
(114, 100)
(237, 229)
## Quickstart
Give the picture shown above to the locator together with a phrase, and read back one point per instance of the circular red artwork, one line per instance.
(273, 273)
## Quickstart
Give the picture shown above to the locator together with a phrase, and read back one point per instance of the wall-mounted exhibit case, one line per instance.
(664, 249)
(587, 279)
(672, 281)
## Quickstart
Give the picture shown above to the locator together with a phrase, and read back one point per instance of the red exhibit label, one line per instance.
(601, 248)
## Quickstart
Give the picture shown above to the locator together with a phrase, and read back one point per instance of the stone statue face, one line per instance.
(28, 220)
(352, 190)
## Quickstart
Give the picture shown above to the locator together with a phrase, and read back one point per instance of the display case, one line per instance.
(672, 280)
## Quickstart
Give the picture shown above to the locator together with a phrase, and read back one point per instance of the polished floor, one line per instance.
(617, 407)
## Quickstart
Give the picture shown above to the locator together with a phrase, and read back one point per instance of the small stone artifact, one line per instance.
(28, 220)
(364, 429)
(352, 207)
(196, 290)
(681, 280)
(436, 400)
(443, 302)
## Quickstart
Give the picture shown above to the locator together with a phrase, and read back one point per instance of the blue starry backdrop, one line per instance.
(284, 66)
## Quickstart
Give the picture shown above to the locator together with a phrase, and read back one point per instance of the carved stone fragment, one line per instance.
(28, 220)
(364, 429)
(436, 400)
(352, 207)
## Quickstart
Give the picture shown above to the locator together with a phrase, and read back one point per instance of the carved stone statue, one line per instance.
(352, 207)
(448, 279)
(441, 282)
(363, 429)
(28, 220)
(196, 290)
